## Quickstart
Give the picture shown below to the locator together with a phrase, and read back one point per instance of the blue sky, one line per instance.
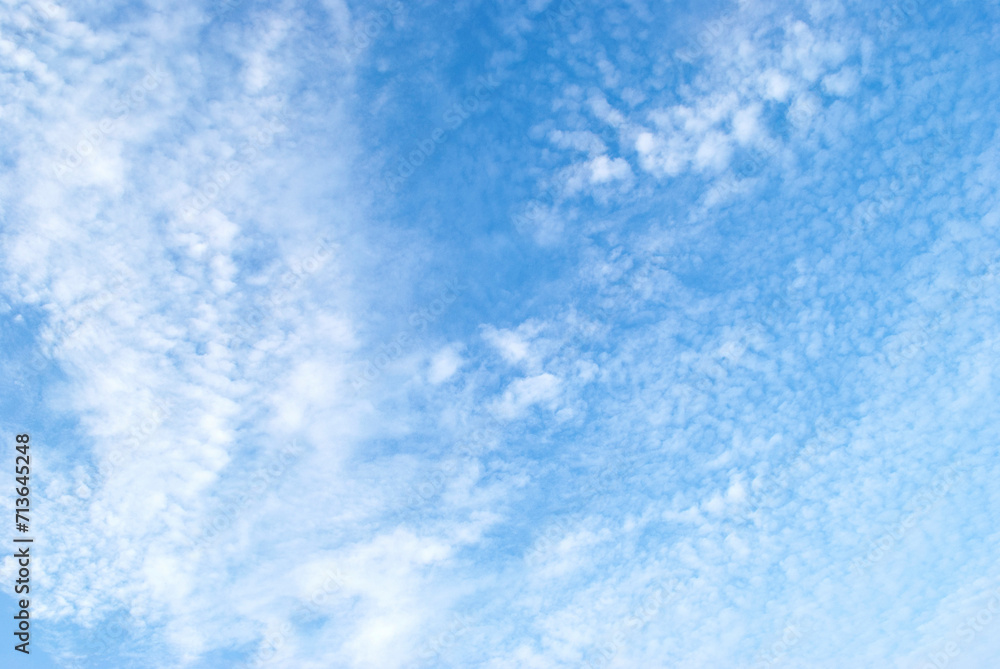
(502, 335)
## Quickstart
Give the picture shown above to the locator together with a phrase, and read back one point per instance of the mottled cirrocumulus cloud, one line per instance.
(558, 334)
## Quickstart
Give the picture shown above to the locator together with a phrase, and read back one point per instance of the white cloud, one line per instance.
(843, 82)
(776, 85)
(528, 391)
(746, 124)
(603, 169)
(513, 345)
(445, 364)
(730, 391)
